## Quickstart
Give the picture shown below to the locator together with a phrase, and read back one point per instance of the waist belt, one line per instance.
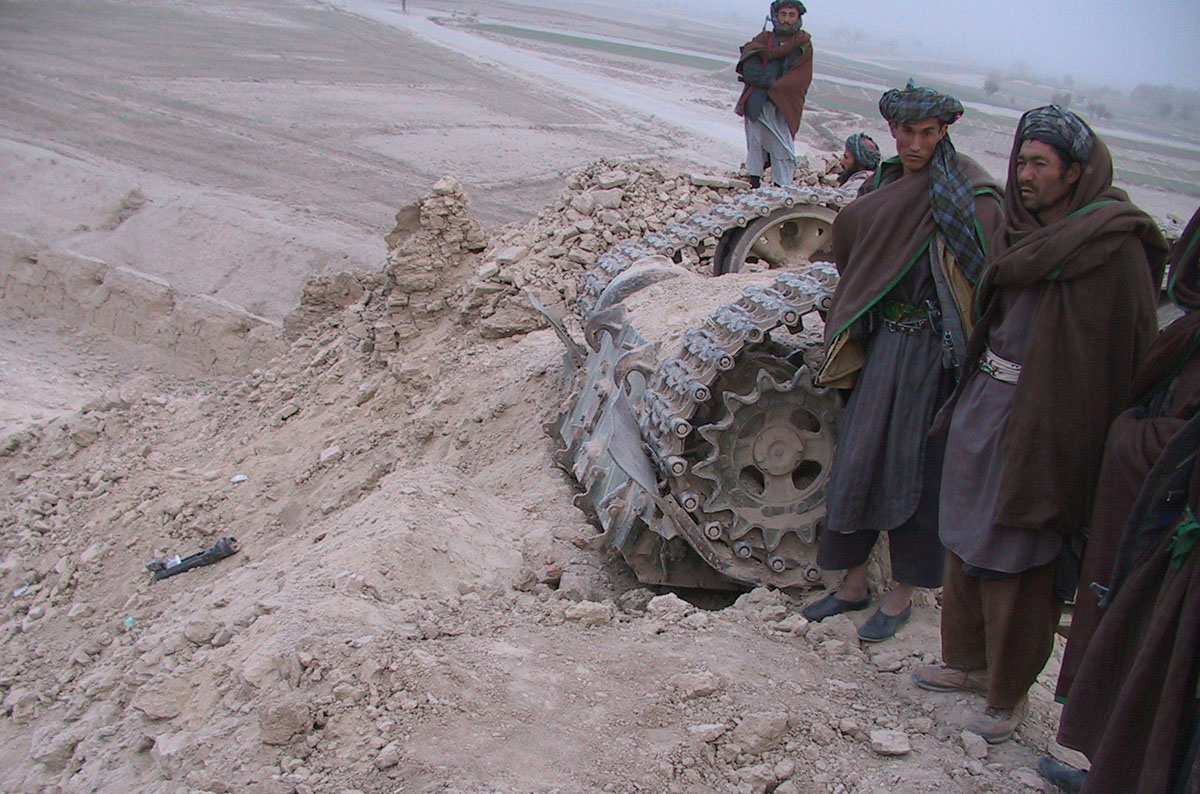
(910, 326)
(999, 368)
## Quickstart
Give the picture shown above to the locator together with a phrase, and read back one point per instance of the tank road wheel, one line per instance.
(767, 468)
(788, 237)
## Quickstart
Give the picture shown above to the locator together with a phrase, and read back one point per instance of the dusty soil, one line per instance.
(416, 606)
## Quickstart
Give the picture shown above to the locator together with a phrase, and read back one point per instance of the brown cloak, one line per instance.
(788, 92)
(1092, 326)
(878, 237)
(1164, 396)
(1133, 705)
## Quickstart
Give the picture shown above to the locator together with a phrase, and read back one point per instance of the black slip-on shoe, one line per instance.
(880, 626)
(1067, 778)
(831, 605)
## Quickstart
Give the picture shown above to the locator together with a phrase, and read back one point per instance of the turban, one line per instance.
(796, 4)
(916, 103)
(1061, 129)
(864, 150)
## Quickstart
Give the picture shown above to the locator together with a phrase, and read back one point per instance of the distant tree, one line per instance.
(1061, 98)
(1099, 109)
(1068, 80)
(991, 83)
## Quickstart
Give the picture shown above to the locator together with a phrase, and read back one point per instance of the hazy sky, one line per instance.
(1106, 41)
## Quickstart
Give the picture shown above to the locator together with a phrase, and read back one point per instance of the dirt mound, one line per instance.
(416, 606)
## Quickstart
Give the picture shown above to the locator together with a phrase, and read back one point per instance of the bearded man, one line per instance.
(909, 251)
(859, 161)
(1070, 303)
(777, 69)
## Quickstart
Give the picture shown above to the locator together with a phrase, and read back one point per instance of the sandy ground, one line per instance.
(389, 625)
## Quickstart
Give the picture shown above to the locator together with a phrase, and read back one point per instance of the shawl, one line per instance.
(1091, 328)
(788, 92)
(880, 235)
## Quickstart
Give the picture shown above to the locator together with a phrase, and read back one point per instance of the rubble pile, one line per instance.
(416, 605)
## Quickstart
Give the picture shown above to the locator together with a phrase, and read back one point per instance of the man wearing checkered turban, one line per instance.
(909, 251)
(859, 161)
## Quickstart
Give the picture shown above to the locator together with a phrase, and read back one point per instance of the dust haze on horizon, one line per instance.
(1120, 44)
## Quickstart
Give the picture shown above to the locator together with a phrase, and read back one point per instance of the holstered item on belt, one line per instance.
(999, 368)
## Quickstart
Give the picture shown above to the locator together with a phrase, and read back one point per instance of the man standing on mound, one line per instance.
(777, 68)
(1069, 309)
(909, 251)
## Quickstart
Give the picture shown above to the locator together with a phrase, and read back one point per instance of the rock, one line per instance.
(511, 255)
(510, 321)
(708, 732)
(200, 632)
(389, 756)
(795, 625)
(584, 204)
(634, 602)
(281, 722)
(1030, 779)
(168, 750)
(759, 777)
(613, 179)
(695, 685)
(446, 186)
(759, 732)
(589, 613)
(974, 745)
(668, 606)
(287, 412)
(608, 199)
(163, 698)
(890, 743)
(331, 454)
(53, 746)
(889, 661)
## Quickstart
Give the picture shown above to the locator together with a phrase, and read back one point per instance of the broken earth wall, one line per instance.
(215, 337)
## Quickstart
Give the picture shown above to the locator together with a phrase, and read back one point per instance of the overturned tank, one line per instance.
(700, 443)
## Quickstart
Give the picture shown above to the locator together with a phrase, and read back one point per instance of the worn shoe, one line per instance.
(1067, 778)
(997, 725)
(940, 678)
(880, 626)
(831, 605)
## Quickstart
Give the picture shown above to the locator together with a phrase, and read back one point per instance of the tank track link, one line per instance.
(733, 213)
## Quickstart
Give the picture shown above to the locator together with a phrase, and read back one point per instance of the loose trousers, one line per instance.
(1005, 625)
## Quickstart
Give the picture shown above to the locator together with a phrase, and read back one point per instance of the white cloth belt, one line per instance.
(999, 368)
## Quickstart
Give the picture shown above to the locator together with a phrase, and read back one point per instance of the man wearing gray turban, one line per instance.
(909, 250)
(1068, 310)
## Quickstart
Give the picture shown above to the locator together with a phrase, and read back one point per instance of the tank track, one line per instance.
(646, 450)
(712, 224)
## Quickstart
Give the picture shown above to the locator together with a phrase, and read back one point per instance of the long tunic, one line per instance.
(875, 481)
(975, 451)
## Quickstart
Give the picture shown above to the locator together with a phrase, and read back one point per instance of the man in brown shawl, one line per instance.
(777, 69)
(1129, 672)
(909, 251)
(1069, 312)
